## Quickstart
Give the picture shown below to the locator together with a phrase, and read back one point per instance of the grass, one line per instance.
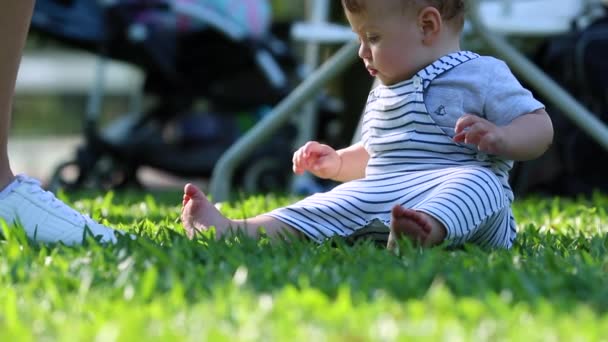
(551, 286)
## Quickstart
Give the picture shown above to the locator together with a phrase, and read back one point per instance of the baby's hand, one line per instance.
(319, 159)
(472, 129)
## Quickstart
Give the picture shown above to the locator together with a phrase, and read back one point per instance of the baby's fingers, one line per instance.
(472, 135)
(465, 121)
(297, 169)
(460, 137)
(299, 162)
(305, 158)
(311, 148)
(325, 167)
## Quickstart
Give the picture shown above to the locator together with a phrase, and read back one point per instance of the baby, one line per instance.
(439, 137)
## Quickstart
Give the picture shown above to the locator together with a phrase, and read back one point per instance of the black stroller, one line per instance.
(194, 54)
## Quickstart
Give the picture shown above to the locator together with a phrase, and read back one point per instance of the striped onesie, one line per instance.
(415, 164)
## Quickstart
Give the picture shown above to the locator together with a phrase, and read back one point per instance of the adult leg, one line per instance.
(14, 22)
(22, 201)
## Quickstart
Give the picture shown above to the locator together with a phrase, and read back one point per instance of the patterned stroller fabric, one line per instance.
(252, 16)
(83, 20)
(238, 18)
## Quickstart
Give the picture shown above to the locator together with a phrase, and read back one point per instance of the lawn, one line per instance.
(551, 286)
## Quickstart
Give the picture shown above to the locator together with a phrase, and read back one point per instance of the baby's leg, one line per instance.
(415, 225)
(472, 205)
(198, 214)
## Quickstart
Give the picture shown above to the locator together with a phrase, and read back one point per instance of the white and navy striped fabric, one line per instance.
(415, 164)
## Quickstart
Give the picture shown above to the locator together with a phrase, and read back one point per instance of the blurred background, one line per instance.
(150, 93)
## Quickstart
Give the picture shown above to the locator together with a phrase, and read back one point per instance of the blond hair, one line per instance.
(450, 10)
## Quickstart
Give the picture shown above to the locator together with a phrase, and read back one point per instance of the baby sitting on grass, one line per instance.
(439, 137)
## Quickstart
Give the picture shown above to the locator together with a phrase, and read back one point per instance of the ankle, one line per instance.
(438, 231)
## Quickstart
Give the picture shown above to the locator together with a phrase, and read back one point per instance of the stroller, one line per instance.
(213, 67)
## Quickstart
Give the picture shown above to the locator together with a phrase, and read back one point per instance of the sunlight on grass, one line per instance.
(550, 286)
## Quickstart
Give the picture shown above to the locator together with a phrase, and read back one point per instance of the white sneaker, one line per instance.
(45, 218)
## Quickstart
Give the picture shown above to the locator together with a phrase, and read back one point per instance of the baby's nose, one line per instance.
(363, 51)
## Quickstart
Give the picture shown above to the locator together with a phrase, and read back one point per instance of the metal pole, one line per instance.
(223, 171)
(540, 81)
(307, 120)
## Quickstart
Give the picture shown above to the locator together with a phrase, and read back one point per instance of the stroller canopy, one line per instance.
(84, 21)
(237, 18)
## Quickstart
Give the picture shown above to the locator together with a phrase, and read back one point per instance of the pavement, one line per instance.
(69, 72)
(39, 156)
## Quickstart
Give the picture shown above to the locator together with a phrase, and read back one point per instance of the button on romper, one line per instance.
(415, 164)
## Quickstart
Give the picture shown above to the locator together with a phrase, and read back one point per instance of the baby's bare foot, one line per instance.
(198, 214)
(413, 224)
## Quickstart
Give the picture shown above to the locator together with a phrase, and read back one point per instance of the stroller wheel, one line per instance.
(105, 175)
(263, 175)
(109, 174)
(66, 177)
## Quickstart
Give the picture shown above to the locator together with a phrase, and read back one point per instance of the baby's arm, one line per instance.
(526, 137)
(325, 162)
(354, 161)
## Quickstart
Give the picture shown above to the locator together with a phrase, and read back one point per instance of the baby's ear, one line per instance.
(430, 23)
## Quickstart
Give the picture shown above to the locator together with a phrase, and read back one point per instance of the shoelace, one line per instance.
(34, 188)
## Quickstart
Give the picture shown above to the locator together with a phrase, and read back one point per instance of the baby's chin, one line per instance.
(389, 81)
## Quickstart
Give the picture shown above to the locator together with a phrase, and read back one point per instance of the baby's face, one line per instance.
(391, 40)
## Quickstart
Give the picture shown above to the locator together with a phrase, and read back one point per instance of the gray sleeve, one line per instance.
(506, 99)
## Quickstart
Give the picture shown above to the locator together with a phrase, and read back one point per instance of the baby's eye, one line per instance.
(373, 39)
